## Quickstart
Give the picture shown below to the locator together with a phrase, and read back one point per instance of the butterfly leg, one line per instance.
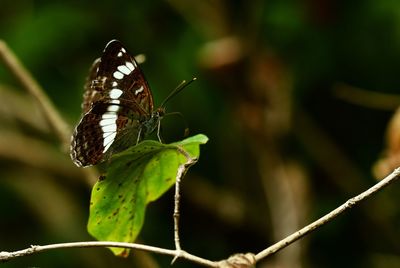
(138, 136)
(159, 131)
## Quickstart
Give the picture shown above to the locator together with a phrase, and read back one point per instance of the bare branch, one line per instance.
(6, 256)
(395, 175)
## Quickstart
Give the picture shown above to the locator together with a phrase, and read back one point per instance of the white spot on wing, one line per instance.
(109, 116)
(130, 65)
(120, 54)
(124, 69)
(115, 93)
(108, 140)
(139, 90)
(115, 101)
(114, 84)
(118, 75)
(109, 128)
(106, 122)
(123, 50)
(113, 108)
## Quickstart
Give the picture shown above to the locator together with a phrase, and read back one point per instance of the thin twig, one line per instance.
(182, 169)
(395, 175)
(6, 256)
(29, 83)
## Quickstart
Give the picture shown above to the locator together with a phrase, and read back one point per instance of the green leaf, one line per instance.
(134, 178)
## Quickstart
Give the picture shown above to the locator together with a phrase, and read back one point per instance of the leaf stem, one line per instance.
(179, 175)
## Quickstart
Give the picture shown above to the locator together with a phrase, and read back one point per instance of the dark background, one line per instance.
(295, 97)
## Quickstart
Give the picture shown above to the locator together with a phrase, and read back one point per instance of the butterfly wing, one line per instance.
(92, 92)
(117, 99)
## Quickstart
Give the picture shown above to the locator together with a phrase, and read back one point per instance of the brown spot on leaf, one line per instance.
(116, 212)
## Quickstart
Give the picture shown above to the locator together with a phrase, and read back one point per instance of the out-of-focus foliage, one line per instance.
(292, 94)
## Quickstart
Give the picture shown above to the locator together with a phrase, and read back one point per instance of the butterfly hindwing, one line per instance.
(97, 131)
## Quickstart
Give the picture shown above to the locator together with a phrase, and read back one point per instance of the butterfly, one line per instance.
(118, 108)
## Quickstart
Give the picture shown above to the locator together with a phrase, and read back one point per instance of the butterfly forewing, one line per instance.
(117, 99)
(119, 70)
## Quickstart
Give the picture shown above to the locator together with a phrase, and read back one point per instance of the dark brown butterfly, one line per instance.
(118, 108)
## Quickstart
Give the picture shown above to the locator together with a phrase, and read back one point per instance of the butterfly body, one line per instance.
(118, 108)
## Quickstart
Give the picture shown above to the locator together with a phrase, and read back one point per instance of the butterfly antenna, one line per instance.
(178, 89)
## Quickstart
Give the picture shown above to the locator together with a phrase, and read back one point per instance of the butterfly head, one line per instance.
(160, 112)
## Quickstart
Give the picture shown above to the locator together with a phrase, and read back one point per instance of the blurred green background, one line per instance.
(295, 97)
